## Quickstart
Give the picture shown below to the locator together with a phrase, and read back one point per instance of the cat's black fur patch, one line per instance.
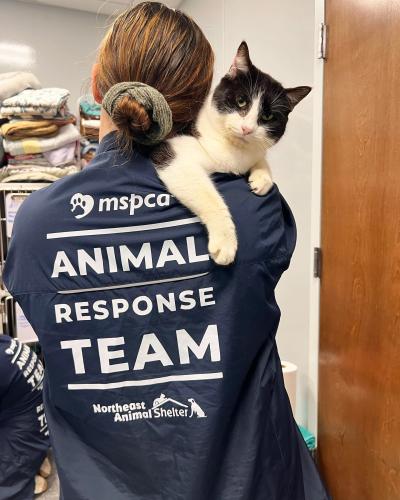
(194, 131)
(162, 155)
(250, 83)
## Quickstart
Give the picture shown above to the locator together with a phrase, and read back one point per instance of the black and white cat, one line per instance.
(245, 115)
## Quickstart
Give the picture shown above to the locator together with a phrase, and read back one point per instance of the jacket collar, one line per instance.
(108, 143)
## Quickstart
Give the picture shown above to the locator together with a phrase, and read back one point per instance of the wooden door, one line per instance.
(359, 369)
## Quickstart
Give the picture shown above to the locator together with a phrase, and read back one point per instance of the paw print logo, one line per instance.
(83, 201)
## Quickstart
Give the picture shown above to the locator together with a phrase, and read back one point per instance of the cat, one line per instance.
(245, 115)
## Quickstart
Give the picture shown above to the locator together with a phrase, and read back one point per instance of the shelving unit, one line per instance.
(12, 319)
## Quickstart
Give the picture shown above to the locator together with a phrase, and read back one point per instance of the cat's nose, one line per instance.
(247, 130)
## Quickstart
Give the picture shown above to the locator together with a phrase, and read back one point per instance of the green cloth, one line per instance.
(90, 108)
(308, 437)
(152, 100)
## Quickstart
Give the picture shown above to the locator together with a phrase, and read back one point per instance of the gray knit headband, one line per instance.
(152, 100)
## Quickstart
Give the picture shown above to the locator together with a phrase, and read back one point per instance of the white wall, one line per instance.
(61, 43)
(281, 40)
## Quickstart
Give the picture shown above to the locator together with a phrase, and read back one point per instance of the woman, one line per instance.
(163, 379)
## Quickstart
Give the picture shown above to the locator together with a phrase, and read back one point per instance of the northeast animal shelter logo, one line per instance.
(83, 204)
(162, 407)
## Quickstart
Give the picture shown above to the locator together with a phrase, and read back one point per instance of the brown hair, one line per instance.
(161, 47)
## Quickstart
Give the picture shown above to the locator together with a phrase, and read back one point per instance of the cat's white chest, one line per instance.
(228, 158)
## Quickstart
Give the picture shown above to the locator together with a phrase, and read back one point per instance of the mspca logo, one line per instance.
(83, 201)
(83, 204)
(163, 407)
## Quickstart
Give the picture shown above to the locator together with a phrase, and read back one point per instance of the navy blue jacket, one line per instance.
(23, 429)
(163, 380)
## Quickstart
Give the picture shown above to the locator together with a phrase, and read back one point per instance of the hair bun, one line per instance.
(131, 117)
(140, 112)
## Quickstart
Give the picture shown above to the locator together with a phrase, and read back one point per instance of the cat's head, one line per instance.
(250, 105)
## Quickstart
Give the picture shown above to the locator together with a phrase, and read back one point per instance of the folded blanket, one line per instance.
(44, 174)
(308, 437)
(45, 102)
(61, 156)
(28, 157)
(63, 161)
(21, 128)
(65, 156)
(66, 135)
(90, 123)
(90, 108)
(39, 161)
(59, 120)
(65, 119)
(44, 115)
(15, 82)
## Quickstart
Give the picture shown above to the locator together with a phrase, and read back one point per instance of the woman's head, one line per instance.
(160, 47)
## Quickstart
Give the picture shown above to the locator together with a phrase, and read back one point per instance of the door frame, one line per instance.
(315, 241)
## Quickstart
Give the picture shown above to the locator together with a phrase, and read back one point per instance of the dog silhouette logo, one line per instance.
(195, 409)
(171, 404)
(83, 201)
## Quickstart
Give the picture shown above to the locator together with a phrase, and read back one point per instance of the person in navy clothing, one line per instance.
(24, 434)
(163, 379)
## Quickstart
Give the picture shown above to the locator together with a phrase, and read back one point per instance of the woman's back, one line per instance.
(163, 379)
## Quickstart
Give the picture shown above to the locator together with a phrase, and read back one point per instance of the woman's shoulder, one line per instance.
(265, 224)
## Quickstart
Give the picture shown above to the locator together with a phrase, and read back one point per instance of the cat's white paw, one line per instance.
(222, 244)
(260, 182)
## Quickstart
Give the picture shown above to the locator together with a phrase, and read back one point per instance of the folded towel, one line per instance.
(20, 129)
(64, 120)
(56, 120)
(28, 157)
(90, 123)
(15, 82)
(61, 156)
(51, 174)
(90, 108)
(45, 102)
(66, 135)
(44, 115)
(21, 161)
(308, 437)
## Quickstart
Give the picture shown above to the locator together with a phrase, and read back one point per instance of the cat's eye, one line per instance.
(241, 102)
(267, 118)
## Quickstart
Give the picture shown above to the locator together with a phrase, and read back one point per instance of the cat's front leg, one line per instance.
(186, 179)
(222, 239)
(260, 178)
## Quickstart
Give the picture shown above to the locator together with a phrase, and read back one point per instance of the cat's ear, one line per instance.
(241, 61)
(296, 94)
